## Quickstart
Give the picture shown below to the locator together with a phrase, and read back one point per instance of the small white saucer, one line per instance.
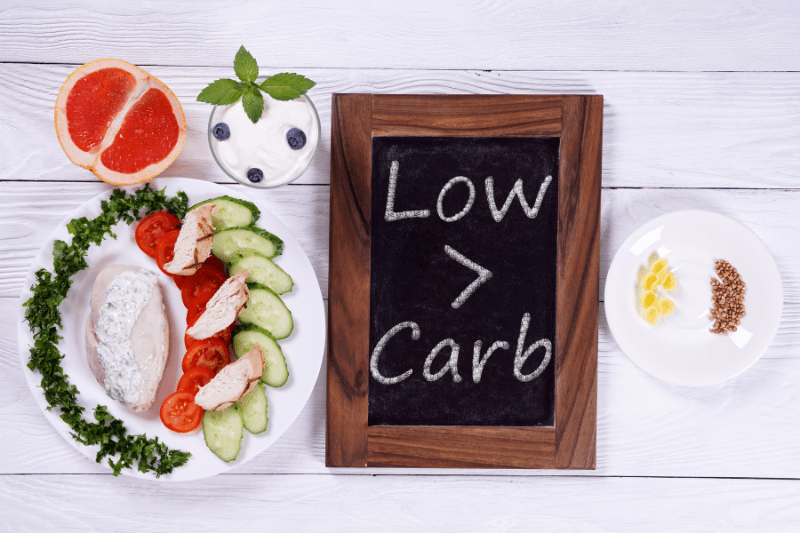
(680, 349)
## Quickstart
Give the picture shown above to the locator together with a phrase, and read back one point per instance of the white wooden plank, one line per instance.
(660, 129)
(744, 428)
(499, 34)
(386, 503)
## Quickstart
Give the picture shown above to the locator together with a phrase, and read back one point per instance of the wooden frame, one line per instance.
(570, 443)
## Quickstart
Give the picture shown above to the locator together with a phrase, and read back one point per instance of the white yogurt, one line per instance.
(263, 145)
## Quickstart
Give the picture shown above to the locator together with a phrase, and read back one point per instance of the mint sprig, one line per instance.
(225, 91)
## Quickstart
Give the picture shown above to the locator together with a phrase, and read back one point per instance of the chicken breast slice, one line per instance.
(223, 308)
(232, 382)
(194, 241)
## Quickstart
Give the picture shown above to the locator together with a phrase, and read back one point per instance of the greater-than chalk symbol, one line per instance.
(483, 276)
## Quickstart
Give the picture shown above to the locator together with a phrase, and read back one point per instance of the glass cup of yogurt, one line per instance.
(273, 151)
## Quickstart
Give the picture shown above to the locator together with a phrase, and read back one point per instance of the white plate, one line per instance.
(303, 348)
(680, 349)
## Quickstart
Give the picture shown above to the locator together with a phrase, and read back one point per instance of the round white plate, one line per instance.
(303, 349)
(680, 349)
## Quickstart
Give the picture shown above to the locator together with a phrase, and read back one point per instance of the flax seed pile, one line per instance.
(727, 298)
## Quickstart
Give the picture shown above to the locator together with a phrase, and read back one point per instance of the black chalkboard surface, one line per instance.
(464, 239)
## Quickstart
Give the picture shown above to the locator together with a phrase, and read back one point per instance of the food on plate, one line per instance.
(261, 271)
(152, 228)
(193, 245)
(727, 298)
(119, 122)
(165, 250)
(223, 432)
(207, 278)
(210, 353)
(232, 382)
(261, 140)
(230, 242)
(232, 212)
(127, 334)
(194, 378)
(179, 413)
(116, 446)
(221, 309)
(275, 370)
(652, 305)
(252, 407)
(266, 310)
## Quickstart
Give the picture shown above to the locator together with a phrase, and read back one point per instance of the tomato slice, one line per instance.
(224, 336)
(206, 278)
(180, 281)
(211, 353)
(151, 228)
(194, 378)
(165, 249)
(216, 262)
(179, 413)
(197, 306)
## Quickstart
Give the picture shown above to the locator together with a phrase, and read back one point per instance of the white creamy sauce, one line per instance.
(263, 144)
(126, 295)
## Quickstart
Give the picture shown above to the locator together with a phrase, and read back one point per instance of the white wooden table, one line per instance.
(702, 110)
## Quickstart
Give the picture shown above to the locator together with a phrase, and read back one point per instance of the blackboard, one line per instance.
(398, 276)
(419, 245)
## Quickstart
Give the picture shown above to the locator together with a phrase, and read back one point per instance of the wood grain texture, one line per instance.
(461, 447)
(447, 34)
(659, 129)
(578, 281)
(350, 504)
(467, 116)
(348, 312)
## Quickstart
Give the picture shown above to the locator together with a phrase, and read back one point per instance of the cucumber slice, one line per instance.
(266, 310)
(223, 432)
(262, 271)
(232, 212)
(252, 407)
(275, 370)
(231, 242)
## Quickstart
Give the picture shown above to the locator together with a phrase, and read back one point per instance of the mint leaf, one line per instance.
(245, 65)
(286, 86)
(253, 103)
(222, 92)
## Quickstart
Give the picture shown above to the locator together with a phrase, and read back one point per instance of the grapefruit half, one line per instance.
(118, 121)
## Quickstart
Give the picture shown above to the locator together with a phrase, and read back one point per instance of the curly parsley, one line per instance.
(44, 319)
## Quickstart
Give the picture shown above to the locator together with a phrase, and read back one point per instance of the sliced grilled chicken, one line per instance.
(232, 382)
(194, 242)
(223, 308)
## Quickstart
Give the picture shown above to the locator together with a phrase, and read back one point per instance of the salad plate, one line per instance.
(303, 349)
(680, 349)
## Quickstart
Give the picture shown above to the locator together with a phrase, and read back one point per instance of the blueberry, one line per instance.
(296, 138)
(221, 131)
(255, 175)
